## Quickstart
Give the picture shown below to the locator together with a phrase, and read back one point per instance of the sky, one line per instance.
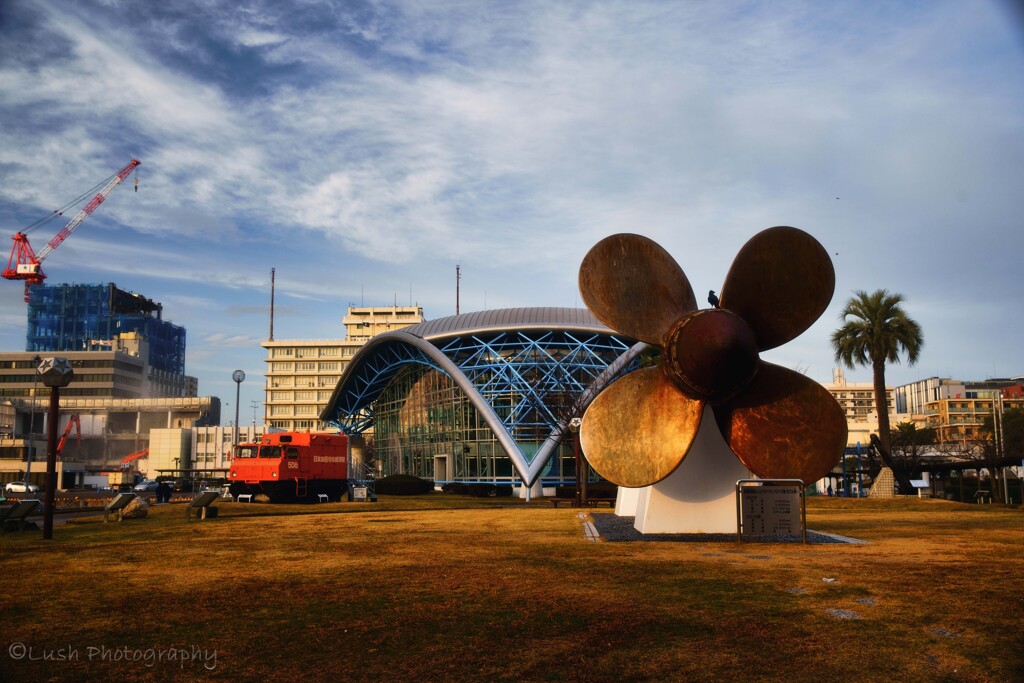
(364, 149)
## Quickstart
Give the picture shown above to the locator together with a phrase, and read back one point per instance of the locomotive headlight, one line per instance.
(273, 474)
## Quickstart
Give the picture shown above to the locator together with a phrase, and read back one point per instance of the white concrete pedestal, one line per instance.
(700, 496)
(626, 500)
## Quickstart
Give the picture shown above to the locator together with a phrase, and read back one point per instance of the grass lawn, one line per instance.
(444, 587)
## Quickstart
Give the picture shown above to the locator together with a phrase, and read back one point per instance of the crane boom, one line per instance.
(67, 432)
(87, 211)
(25, 264)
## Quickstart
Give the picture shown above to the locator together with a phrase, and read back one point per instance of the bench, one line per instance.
(201, 505)
(322, 498)
(244, 498)
(117, 505)
(16, 515)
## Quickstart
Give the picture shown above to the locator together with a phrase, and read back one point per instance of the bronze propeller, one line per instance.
(779, 423)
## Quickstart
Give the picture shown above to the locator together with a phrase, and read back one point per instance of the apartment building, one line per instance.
(302, 373)
(957, 409)
(858, 402)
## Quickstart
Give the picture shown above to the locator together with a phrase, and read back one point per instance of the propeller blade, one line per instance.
(638, 430)
(632, 285)
(784, 426)
(780, 282)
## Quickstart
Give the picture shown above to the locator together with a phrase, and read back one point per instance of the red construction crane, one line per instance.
(134, 456)
(25, 264)
(67, 430)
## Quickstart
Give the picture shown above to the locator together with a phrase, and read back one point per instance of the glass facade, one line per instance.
(71, 317)
(426, 425)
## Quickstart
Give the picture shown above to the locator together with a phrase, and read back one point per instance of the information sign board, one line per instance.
(770, 509)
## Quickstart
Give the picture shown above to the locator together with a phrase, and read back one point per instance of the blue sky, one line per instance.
(363, 149)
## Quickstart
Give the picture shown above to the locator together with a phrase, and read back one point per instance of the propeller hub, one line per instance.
(711, 354)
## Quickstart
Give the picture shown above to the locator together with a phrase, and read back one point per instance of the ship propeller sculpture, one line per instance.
(779, 423)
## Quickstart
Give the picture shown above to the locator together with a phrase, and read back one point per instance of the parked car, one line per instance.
(20, 487)
(146, 486)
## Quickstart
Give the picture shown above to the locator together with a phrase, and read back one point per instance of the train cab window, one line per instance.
(246, 452)
(291, 452)
(270, 452)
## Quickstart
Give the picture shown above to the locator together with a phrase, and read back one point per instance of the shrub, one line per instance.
(482, 490)
(478, 490)
(403, 485)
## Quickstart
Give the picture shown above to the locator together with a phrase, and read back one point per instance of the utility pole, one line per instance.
(272, 304)
(458, 276)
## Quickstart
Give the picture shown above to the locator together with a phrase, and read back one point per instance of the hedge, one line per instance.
(403, 485)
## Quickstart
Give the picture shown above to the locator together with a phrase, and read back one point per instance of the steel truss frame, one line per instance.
(526, 384)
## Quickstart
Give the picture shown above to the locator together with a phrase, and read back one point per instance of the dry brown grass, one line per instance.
(414, 589)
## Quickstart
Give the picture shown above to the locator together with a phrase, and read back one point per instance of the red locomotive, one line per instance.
(291, 467)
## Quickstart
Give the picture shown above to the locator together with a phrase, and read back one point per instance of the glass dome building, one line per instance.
(480, 397)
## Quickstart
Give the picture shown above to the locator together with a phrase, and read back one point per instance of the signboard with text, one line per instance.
(769, 508)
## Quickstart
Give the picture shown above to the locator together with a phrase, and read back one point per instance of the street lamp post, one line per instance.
(56, 373)
(238, 376)
(574, 427)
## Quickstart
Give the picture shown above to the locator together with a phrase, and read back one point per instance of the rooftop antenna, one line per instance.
(458, 276)
(272, 304)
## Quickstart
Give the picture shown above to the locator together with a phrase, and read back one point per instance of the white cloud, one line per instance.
(377, 145)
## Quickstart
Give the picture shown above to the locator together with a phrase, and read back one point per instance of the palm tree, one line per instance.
(877, 330)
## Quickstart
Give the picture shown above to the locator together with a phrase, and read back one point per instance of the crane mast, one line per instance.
(25, 264)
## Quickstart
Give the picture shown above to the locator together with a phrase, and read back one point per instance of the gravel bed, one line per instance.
(617, 529)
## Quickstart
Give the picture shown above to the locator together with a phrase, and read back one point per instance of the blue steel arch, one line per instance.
(533, 363)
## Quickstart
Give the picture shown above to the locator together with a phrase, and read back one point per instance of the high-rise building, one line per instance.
(129, 377)
(74, 317)
(302, 373)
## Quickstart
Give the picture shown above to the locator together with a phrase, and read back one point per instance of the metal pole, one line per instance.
(860, 471)
(846, 486)
(238, 376)
(238, 391)
(1002, 448)
(51, 463)
(576, 450)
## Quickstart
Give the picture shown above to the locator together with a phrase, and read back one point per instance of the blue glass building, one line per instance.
(73, 317)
